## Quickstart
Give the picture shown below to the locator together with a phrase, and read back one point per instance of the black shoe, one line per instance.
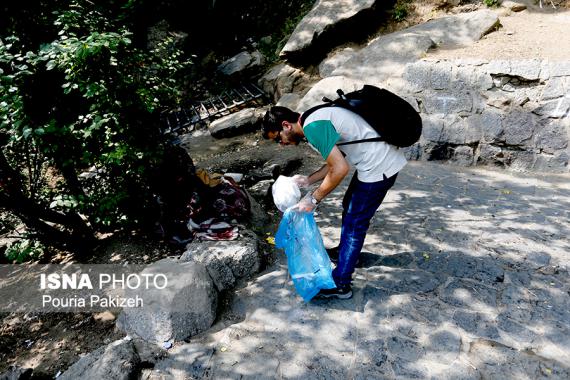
(342, 292)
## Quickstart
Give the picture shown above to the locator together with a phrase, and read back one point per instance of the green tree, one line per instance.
(87, 100)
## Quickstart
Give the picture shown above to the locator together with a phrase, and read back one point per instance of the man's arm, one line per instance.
(336, 169)
(319, 174)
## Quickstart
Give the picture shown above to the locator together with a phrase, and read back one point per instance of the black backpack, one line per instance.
(395, 120)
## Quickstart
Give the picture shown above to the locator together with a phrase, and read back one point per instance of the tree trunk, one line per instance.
(35, 216)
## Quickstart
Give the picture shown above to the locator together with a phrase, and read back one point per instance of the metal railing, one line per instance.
(185, 119)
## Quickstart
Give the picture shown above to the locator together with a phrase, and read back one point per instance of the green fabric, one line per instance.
(322, 136)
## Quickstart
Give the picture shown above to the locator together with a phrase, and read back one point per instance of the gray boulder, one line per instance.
(244, 121)
(528, 69)
(386, 56)
(335, 60)
(258, 217)
(463, 155)
(273, 168)
(240, 62)
(558, 69)
(227, 262)
(290, 101)
(324, 15)
(458, 30)
(17, 373)
(187, 306)
(327, 87)
(283, 79)
(513, 6)
(117, 360)
(260, 190)
(552, 137)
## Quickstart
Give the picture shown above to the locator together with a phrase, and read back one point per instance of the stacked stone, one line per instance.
(506, 113)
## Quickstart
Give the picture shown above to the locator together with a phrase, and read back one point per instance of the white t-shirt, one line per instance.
(328, 126)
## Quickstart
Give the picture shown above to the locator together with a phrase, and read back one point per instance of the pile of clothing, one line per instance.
(215, 210)
(196, 204)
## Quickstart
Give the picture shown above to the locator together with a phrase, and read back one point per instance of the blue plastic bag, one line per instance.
(308, 262)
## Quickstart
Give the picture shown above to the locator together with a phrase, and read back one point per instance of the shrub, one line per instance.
(88, 99)
(24, 250)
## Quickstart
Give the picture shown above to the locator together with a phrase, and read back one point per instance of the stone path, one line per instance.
(468, 280)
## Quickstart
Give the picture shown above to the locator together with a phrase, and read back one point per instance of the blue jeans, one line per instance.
(360, 202)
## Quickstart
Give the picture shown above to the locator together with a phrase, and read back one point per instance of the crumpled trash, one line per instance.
(285, 192)
(235, 176)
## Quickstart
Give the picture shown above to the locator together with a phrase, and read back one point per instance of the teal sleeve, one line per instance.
(322, 135)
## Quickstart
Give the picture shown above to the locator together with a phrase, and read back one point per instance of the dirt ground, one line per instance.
(533, 33)
(51, 342)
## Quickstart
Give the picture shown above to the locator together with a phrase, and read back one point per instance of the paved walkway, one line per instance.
(468, 280)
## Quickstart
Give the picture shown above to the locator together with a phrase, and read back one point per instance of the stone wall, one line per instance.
(507, 113)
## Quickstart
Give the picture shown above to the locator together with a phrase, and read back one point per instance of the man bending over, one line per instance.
(377, 165)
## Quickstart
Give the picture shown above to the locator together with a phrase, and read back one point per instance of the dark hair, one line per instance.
(275, 117)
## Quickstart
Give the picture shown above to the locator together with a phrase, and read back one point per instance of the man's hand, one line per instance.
(301, 180)
(306, 204)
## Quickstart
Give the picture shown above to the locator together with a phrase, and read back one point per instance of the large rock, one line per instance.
(447, 103)
(187, 306)
(513, 5)
(518, 127)
(227, 262)
(290, 101)
(386, 56)
(528, 69)
(17, 373)
(238, 123)
(258, 218)
(283, 79)
(242, 61)
(552, 137)
(462, 29)
(335, 60)
(324, 15)
(261, 190)
(118, 360)
(327, 87)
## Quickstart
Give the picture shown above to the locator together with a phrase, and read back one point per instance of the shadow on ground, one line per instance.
(466, 277)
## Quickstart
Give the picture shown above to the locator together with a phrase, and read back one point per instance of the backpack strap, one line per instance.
(308, 112)
(373, 139)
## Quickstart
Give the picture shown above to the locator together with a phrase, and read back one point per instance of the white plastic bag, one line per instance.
(285, 192)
